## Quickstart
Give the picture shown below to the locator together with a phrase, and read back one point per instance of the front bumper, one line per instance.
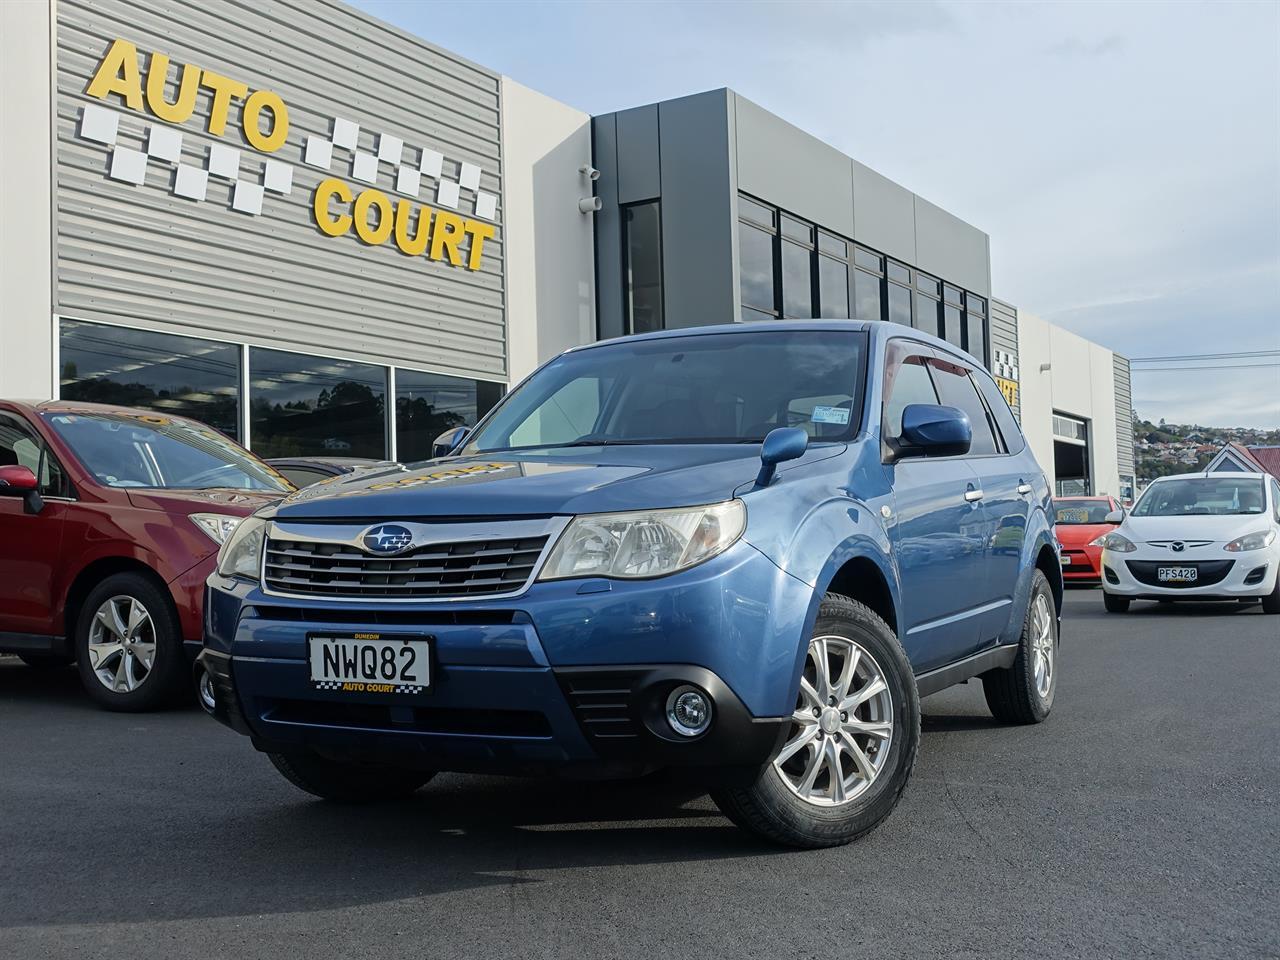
(573, 675)
(1081, 564)
(1220, 576)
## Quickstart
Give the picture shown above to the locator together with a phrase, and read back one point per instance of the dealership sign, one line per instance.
(440, 232)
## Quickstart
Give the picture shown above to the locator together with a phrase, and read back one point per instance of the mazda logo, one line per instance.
(1177, 546)
(387, 538)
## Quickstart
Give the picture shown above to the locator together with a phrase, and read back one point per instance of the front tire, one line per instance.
(852, 743)
(1023, 692)
(1115, 604)
(1271, 602)
(129, 645)
(347, 782)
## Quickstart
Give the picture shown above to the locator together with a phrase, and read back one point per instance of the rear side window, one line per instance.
(955, 389)
(999, 407)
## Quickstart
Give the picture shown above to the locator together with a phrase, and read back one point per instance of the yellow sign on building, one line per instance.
(1010, 390)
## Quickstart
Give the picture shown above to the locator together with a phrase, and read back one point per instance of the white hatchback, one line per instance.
(1200, 536)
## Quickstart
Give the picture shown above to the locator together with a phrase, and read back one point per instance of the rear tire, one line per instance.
(822, 794)
(1023, 692)
(347, 782)
(45, 661)
(1115, 604)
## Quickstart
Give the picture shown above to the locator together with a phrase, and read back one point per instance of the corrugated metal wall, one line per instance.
(142, 256)
(1004, 339)
(1124, 416)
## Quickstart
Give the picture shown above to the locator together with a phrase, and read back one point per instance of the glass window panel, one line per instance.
(911, 384)
(833, 288)
(999, 407)
(926, 318)
(755, 251)
(865, 258)
(953, 328)
(20, 446)
(952, 294)
(642, 249)
(428, 404)
(797, 282)
(975, 337)
(899, 304)
(955, 389)
(832, 245)
(866, 296)
(748, 314)
(797, 229)
(975, 304)
(898, 272)
(750, 210)
(183, 376)
(313, 406)
(927, 284)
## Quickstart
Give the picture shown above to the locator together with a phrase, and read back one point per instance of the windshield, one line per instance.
(1217, 496)
(1069, 512)
(146, 450)
(709, 388)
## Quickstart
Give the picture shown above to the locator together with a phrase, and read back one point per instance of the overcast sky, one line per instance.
(1123, 157)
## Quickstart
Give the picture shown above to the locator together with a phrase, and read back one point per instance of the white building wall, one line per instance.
(1064, 372)
(550, 243)
(26, 244)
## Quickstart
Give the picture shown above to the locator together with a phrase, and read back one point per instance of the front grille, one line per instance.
(470, 568)
(1208, 572)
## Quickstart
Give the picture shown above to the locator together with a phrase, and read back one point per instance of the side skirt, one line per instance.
(28, 643)
(962, 670)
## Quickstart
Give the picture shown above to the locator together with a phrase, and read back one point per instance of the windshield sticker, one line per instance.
(831, 415)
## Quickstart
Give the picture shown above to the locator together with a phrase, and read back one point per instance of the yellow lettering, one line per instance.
(373, 235)
(258, 101)
(480, 232)
(326, 190)
(224, 91)
(118, 73)
(185, 103)
(415, 245)
(446, 236)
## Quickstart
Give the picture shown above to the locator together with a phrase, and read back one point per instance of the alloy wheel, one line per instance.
(122, 644)
(842, 727)
(1042, 651)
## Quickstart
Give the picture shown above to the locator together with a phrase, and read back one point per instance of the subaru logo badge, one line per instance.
(387, 538)
(1178, 546)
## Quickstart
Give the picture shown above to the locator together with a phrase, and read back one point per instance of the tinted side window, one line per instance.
(955, 389)
(908, 382)
(21, 447)
(1275, 499)
(999, 407)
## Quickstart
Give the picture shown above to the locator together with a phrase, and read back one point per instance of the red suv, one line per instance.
(110, 520)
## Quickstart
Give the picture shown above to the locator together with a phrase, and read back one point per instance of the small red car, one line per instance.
(110, 521)
(1078, 522)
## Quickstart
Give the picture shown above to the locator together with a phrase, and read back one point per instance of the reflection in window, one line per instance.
(866, 296)
(312, 406)
(756, 256)
(833, 288)
(642, 248)
(797, 285)
(183, 376)
(952, 328)
(900, 304)
(975, 336)
(428, 404)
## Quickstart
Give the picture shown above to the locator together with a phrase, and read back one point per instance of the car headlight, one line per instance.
(240, 556)
(1252, 541)
(217, 525)
(1114, 541)
(648, 543)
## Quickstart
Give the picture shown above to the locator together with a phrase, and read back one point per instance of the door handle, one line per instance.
(973, 496)
(1024, 489)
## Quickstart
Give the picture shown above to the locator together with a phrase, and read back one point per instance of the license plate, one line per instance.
(1177, 574)
(1065, 560)
(370, 663)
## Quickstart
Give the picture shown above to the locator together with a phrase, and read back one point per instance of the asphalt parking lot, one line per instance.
(1141, 820)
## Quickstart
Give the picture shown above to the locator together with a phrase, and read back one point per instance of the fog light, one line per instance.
(688, 711)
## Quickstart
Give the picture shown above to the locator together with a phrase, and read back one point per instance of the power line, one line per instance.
(1210, 356)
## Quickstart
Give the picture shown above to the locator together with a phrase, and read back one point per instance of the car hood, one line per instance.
(565, 481)
(238, 503)
(1081, 534)
(1216, 529)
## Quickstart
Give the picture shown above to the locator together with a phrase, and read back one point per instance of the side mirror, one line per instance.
(935, 431)
(780, 445)
(448, 441)
(1114, 517)
(16, 481)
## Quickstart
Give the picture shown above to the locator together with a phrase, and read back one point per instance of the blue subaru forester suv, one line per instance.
(741, 550)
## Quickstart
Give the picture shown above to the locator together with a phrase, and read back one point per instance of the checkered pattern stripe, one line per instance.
(163, 145)
(397, 159)
(338, 685)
